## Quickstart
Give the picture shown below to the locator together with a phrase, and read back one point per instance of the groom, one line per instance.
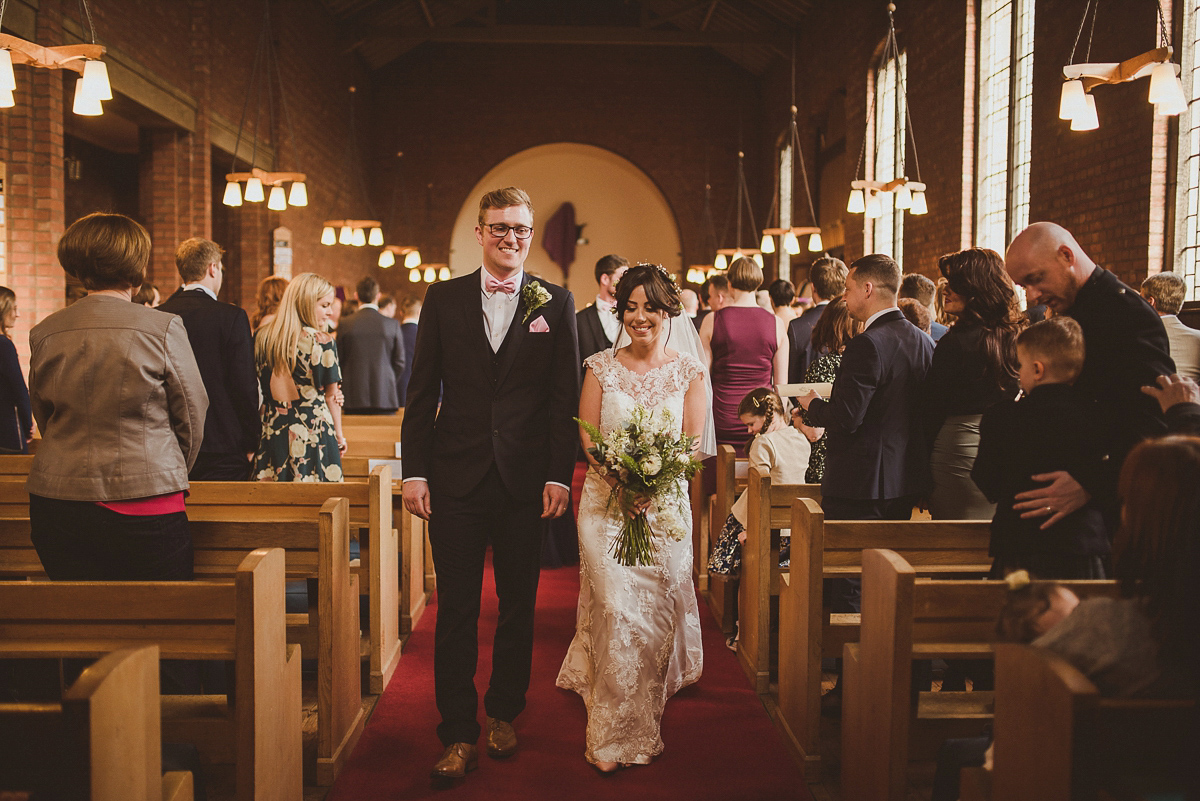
(501, 350)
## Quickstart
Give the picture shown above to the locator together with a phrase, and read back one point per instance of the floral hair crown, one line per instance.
(662, 271)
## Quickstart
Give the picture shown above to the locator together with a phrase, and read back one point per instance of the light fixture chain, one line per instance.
(798, 156)
(1162, 25)
(1079, 34)
(287, 114)
(86, 14)
(3, 6)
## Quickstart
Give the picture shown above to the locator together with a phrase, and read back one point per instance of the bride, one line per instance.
(637, 636)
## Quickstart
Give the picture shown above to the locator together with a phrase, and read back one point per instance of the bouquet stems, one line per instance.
(635, 546)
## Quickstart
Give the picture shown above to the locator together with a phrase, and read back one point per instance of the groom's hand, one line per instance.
(416, 498)
(554, 501)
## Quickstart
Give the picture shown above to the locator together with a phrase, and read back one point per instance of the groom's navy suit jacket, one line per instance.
(513, 408)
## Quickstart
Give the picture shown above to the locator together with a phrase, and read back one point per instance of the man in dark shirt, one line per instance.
(828, 277)
(1127, 349)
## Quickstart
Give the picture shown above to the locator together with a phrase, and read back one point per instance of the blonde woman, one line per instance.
(16, 420)
(298, 370)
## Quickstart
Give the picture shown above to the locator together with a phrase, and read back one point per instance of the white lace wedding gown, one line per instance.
(637, 634)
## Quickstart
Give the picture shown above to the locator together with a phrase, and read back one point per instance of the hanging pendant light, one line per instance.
(791, 243)
(412, 258)
(874, 206)
(768, 244)
(1087, 121)
(95, 80)
(430, 275)
(815, 245)
(359, 238)
(85, 105)
(328, 237)
(919, 206)
(254, 191)
(444, 273)
(346, 235)
(233, 194)
(298, 194)
(903, 197)
(8, 80)
(720, 263)
(386, 258)
(277, 201)
(6, 98)
(375, 239)
(758, 259)
(414, 276)
(857, 203)
(1071, 102)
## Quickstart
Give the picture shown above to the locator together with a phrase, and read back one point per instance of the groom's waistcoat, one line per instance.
(512, 408)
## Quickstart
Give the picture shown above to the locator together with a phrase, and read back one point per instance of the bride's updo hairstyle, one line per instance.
(661, 292)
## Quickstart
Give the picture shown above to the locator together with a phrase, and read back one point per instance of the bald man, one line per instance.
(1126, 349)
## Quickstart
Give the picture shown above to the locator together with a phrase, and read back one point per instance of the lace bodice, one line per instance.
(662, 388)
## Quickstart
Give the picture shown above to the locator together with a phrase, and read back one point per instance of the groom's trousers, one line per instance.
(460, 531)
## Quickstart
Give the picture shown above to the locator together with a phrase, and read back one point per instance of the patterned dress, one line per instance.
(637, 635)
(298, 441)
(822, 371)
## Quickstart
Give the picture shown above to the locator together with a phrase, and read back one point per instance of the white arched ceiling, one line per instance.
(623, 210)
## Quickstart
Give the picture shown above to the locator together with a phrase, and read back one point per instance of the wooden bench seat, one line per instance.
(906, 618)
(241, 620)
(102, 743)
(1057, 739)
(768, 509)
(810, 631)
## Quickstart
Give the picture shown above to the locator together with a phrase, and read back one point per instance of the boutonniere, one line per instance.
(533, 296)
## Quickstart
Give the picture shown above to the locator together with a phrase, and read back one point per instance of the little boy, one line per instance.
(1049, 428)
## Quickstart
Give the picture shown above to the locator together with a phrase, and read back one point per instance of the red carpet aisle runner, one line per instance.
(720, 744)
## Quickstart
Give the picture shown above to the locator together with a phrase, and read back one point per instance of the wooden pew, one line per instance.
(374, 419)
(1056, 738)
(372, 437)
(809, 631)
(242, 620)
(768, 507)
(102, 743)
(731, 480)
(413, 535)
(905, 619)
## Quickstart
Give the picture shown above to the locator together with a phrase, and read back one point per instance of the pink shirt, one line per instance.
(145, 507)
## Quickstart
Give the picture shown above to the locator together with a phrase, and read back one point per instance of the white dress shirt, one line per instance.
(608, 320)
(499, 308)
(879, 314)
(189, 287)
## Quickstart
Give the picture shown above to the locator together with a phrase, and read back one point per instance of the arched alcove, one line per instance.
(622, 211)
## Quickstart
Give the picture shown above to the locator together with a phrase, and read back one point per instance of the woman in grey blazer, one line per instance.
(118, 398)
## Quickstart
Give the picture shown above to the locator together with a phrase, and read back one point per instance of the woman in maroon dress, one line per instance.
(746, 348)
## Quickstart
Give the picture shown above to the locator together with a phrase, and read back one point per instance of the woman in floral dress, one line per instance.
(298, 369)
(829, 337)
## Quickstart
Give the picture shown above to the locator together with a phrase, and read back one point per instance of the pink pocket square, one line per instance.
(539, 326)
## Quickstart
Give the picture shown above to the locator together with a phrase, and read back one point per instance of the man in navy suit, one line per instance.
(828, 277)
(598, 326)
(224, 347)
(877, 464)
(490, 465)
(371, 350)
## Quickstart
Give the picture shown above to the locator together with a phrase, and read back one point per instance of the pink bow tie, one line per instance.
(507, 287)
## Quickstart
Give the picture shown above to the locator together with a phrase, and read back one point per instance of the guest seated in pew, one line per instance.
(298, 369)
(1051, 428)
(119, 399)
(775, 448)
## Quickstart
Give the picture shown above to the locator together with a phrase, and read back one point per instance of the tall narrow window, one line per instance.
(1005, 124)
(888, 161)
(785, 209)
(1187, 210)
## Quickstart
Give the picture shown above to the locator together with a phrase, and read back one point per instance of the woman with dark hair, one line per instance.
(637, 639)
(746, 348)
(117, 394)
(829, 337)
(266, 300)
(16, 419)
(782, 294)
(974, 366)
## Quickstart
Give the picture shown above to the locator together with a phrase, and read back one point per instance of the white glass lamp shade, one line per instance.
(874, 207)
(346, 235)
(386, 259)
(758, 259)
(1071, 102)
(694, 276)
(278, 199)
(720, 262)
(1161, 78)
(84, 105)
(254, 191)
(233, 194)
(1087, 121)
(444, 274)
(412, 258)
(6, 98)
(430, 275)
(95, 80)
(414, 276)
(768, 244)
(359, 238)
(375, 238)
(1171, 107)
(857, 203)
(815, 245)
(328, 237)
(298, 194)
(8, 80)
(919, 204)
(791, 244)
(903, 197)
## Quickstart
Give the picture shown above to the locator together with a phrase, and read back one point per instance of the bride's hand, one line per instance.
(637, 504)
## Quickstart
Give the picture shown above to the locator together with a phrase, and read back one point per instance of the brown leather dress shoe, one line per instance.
(501, 739)
(458, 759)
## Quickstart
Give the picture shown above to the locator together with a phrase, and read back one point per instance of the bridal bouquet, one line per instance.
(648, 460)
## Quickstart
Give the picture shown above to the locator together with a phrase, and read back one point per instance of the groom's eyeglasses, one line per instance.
(500, 230)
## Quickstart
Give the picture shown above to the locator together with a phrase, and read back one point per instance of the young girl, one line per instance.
(775, 448)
